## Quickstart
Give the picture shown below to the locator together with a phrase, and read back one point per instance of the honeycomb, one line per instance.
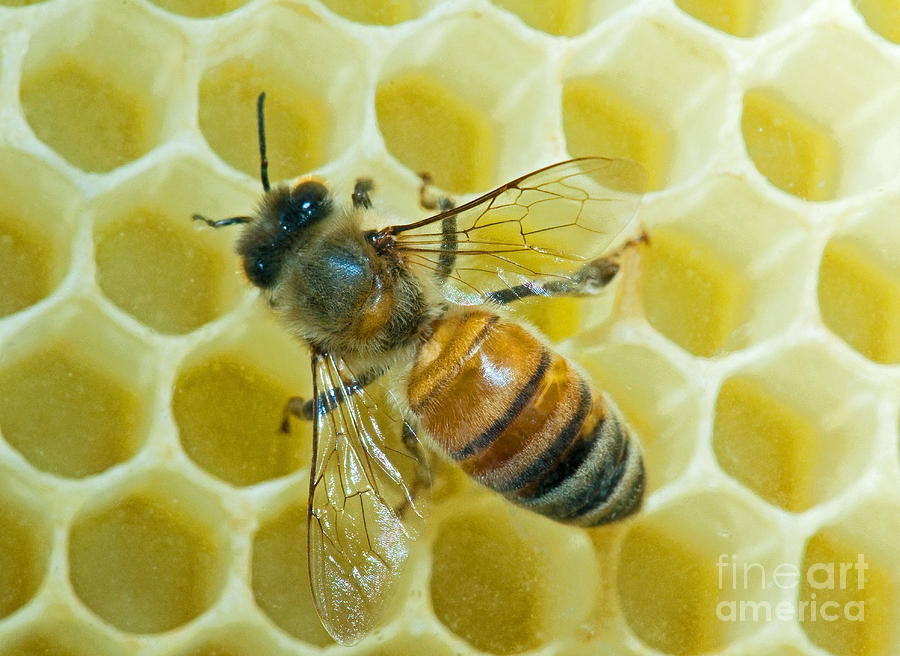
(148, 504)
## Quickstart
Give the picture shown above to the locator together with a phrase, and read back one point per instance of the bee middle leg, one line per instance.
(589, 280)
(306, 409)
(429, 200)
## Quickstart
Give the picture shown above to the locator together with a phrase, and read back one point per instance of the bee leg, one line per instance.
(360, 195)
(221, 223)
(414, 446)
(428, 200)
(588, 280)
(298, 407)
(306, 409)
(423, 478)
(600, 272)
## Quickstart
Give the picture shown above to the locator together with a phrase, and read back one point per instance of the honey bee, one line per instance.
(408, 338)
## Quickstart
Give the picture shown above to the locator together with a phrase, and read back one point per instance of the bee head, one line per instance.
(281, 224)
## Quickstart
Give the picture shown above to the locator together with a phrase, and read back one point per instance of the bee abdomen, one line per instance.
(521, 420)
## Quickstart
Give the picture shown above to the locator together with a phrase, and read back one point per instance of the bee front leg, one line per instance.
(221, 223)
(360, 195)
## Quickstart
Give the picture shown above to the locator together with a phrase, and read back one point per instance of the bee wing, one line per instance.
(546, 224)
(366, 498)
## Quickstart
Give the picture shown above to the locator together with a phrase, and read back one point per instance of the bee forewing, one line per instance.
(368, 490)
(544, 225)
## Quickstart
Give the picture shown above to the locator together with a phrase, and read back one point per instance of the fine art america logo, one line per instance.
(814, 597)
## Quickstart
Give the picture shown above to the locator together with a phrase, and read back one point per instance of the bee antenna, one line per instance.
(263, 162)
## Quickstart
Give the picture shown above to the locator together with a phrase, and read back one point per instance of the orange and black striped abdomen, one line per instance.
(521, 420)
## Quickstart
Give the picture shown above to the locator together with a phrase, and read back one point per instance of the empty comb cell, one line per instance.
(794, 153)
(200, 8)
(690, 293)
(680, 573)
(883, 16)
(429, 128)
(24, 546)
(497, 579)
(847, 602)
(280, 579)
(296, 120)
(597, 119)
(860, 301)
(765, 444)
(93, 122)
(736, 17)
(229, 414)
(679, 615)
(66, 413)
(87, 97)
(380, 12)
(559, 18)
(149, 561)
(164, 275)
(25, 265)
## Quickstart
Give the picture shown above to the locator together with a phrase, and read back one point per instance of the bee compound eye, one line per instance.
(308, 202)
(261, 269)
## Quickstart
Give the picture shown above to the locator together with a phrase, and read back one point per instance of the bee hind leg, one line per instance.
(587, 281)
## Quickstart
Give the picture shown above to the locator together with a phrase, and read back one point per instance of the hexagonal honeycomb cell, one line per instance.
(850, 584)
(152, 262)
(151, 504)
(497, 580)
(24, 549)
(280, 580)
(677, 568)
(228, 404)
(36, 229)
(200, 8)
(725, 267)
(304, 103)
(606, 108)
(59, 636)
(86, 98)
(859, 285)
(795, 449)
(802, 116)
(450, 116)
(149, 560)
(74, 394)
